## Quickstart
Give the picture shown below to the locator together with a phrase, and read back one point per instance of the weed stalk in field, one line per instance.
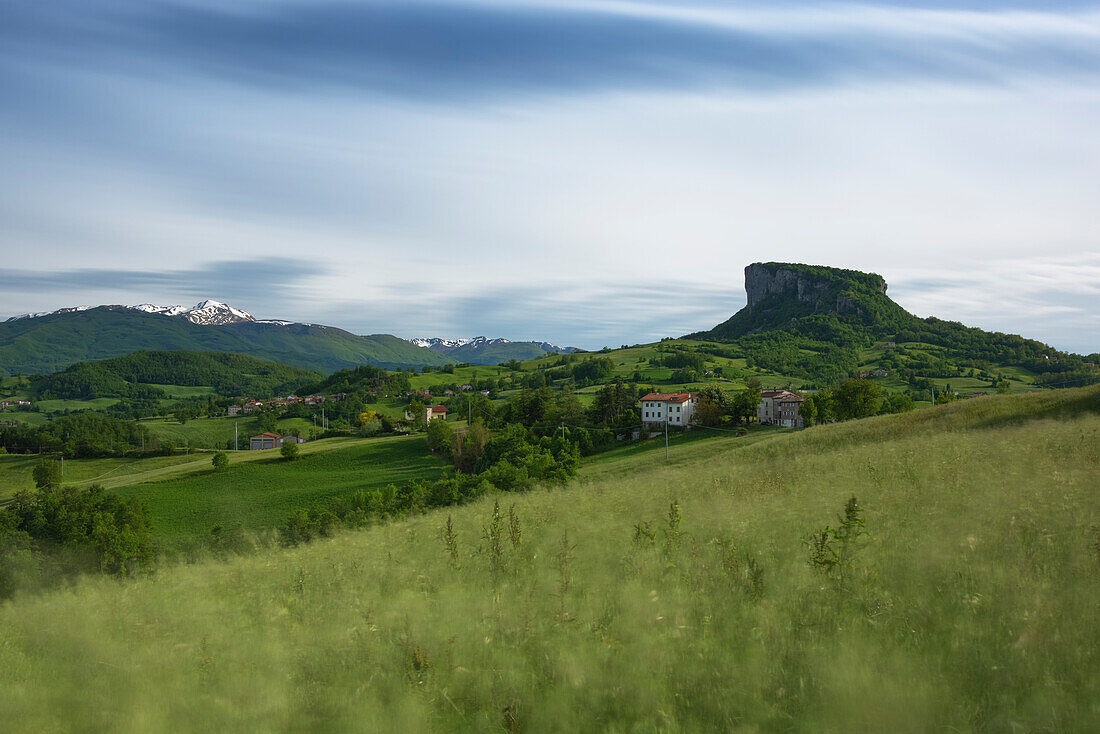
(564, 577)
(450, 538)
(672, 529)
(494, 536)
(515, 534)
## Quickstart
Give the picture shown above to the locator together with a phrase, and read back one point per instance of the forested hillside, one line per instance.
(814, 322)
(136, 375)
(51, 343)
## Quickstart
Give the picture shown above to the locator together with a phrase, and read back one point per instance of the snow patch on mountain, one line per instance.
(70, 309)
(439, 344)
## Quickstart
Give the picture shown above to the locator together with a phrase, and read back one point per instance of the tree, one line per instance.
(416, 413)
(857, 399)
(746, 402)
(467, 448)
(615, 405)
(808, 412)
(220, 461)
(47, 473)
(897, 403)
(711, 406)
(439, 435)
(290, 451)
(267, 421)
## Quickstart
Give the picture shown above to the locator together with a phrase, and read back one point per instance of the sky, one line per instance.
(589, 172)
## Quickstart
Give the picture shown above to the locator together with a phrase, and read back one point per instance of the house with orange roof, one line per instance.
(671, 408)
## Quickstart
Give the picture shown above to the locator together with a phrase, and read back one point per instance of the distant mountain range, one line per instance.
(483, 350)
(204, 313)
(38, 343)
(44, 343)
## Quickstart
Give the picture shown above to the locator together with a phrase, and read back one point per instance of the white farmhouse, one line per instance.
(673, 408)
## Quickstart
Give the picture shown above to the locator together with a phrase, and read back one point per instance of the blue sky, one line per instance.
(586, 172)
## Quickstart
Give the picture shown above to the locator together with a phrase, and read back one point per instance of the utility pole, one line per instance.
(933, 396)
(666, 438)
(62, 464)
(235, 436)
(563, 430)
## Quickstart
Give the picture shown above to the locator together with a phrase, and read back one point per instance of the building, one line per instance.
(672, 408)
(779, 408)
(264, 441)
(233, 410)
(249, 407)
(291, 439)
(314, 399)
(431, 412)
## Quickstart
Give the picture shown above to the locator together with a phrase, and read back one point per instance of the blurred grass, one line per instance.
(971, 607)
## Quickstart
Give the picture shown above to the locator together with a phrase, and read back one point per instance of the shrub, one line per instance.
(290, 451)
(220, 461)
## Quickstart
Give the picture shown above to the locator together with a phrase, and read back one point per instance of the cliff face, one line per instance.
(763, 280)
(791, 295)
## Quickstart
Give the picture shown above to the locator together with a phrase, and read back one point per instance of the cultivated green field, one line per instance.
(260, 490)
(218, 433)
(969, 606)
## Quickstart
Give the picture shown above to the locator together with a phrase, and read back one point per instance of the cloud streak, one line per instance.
(260, 280)
(471, 51)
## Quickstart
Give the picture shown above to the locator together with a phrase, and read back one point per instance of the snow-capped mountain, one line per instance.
(478, 344)
(437, 343)
(204, 313)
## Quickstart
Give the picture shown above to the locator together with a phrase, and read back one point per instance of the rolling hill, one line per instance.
(52, 342)
(226, 373)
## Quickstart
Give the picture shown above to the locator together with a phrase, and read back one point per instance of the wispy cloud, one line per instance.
(461, 51)
(1053, 299)
(584, 315)
(265, 281)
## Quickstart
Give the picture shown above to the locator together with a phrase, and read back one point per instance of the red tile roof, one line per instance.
(439, 408)
(267, 435)
(669, 397)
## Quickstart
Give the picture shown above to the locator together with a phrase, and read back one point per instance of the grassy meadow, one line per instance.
(657, 597)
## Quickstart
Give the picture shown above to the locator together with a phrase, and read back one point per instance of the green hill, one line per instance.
(692, 595)
(128, 376)
(817, 322)
(51, 343)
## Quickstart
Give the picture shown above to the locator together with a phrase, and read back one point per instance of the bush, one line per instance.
(290, 451)
(220, 461)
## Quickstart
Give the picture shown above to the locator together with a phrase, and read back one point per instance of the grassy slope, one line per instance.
(972, 608)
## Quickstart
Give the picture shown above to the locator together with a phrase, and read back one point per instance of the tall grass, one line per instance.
(969, 606)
